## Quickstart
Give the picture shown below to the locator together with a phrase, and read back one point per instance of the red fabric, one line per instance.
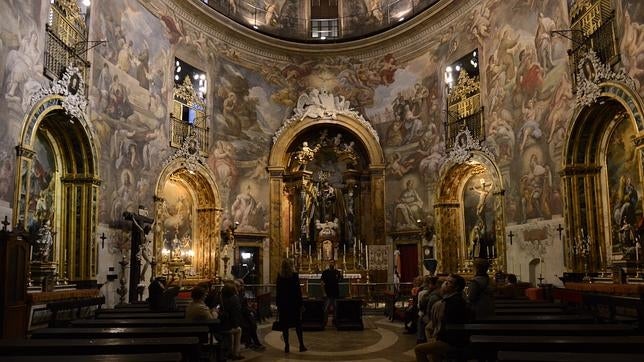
(408, 262)
(534, 293)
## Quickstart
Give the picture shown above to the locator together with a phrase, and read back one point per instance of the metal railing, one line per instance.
(268, 19)
(603, 41)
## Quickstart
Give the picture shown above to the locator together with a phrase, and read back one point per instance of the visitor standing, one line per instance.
(330, 279)
(289, 303)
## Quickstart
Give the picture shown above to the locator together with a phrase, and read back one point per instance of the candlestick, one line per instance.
(366, 255)
(541, 266)
(637, 252)
(344, 249)
(287, 251)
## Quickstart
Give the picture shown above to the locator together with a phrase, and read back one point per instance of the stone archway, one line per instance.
(467, 193)
(59, 202)
(311, 121)
(593, 177)
(187, 217)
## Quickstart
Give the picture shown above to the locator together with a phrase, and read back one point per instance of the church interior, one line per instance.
(205, 141)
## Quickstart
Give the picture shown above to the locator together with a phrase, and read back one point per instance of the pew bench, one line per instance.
(516, 356)
(530, 329)
(488, 346)
(535, 318)
(65, 310)
(187, 346)
(136, 357)
(201, 332)
(528, 310)
(137, 315)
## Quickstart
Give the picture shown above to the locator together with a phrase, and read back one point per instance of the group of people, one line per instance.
(454, 302)
(232, 308)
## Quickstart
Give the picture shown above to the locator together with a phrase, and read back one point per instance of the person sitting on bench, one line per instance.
(197, 309)
(452, 309)
(162, 297)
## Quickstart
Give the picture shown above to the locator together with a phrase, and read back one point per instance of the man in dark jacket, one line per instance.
(452, 309)
(331, 278)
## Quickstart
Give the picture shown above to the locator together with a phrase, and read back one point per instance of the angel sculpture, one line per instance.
(306, 154)
(310, 105)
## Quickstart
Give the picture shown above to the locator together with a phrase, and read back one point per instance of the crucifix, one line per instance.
(559, 229)
(103, 237)
(141, 225)
(511, 234)
(5, 223)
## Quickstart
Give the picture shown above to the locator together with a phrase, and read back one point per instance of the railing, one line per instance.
(268, 19)
(603, 41)
(179, 131)
(473, 122)
(64, 39)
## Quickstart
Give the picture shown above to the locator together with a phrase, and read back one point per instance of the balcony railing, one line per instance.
(269, 21)
(179, 130)
(603, 41)
(474, 122)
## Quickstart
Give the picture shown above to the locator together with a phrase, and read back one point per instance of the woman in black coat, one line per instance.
(289, 303)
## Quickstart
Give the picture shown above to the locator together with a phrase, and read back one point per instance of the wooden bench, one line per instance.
(147, 357)
(187, 346)
(530, 329)
(137, 315)
(200, 332)
(610, 308)
(133, 306)
(74, 307)
(263, 302)
(212, 324)
(533, 318)
(527, 310)
(529, 305)
(488, 346)
(567, 357)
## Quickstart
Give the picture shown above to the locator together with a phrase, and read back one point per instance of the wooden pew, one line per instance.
(527, 310)
(530, 329)
(535, 318)
(313, 315)
(187, 346)
(200, 332)
(73, 306)
(213, 324)
(147, 357)
(567, 357)
(132, 315)
(528, 305)
(488, 346)
(132, 306)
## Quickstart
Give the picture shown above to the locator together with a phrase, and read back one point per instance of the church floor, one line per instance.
(380, 341)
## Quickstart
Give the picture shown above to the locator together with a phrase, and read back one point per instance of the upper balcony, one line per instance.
(291, 20)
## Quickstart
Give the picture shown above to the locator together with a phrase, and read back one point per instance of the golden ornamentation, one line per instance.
(464, 88)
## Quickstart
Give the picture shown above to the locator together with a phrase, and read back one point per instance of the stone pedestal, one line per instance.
(43, 274)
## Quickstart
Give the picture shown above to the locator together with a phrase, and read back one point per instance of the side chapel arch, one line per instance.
(286, 141)
(454, 247)
(199, 181)
(591, 190)
(65, 211)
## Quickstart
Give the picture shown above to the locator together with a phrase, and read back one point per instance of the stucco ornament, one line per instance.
(72, 87)
(464, 144)
(323, 105)
(189, 151)
(591, 72)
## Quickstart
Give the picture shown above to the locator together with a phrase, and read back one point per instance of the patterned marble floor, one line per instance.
(380, 341)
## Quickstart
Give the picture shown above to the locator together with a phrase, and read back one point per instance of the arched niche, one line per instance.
(286, 179)
(196, 218)
(58, 203)
(602, 161)
(469, 194)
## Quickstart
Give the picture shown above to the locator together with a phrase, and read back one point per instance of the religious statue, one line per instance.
(327, 230)
(476, 239)
(306, 154)
(483, 192)
(44, 243)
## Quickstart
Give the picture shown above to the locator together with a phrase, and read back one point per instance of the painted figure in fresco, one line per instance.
(626, 234)
(272, 12)
(529, 78)
(624, 210)
(505, 54)
(223, 163)
(502, 135)
(535, 187)
(247, 211)
(543, 41)
(399, 167)
(409, 208)
(118, 105)
(395, 133)
(530, 132)
(20, 63)
(373, 7)
(103, 85)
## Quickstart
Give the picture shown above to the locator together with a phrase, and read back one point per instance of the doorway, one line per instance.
(408, 262)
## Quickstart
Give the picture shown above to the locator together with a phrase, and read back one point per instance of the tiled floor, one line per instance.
(380, 341)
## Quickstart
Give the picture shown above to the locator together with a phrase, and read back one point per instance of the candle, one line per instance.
(320, 253)
(366, 255)
(344, 249)
(354, 247)
(541, 266)
(287, 251)
(309, 249)
(637, 252)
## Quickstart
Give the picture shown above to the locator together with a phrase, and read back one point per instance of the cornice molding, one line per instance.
(402, 40)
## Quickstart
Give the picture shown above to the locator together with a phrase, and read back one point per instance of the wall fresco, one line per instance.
(177, 217)
(129, 93)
